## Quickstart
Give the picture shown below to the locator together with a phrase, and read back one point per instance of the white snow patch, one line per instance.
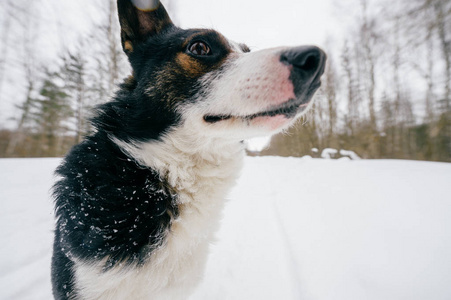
(348, 153)
(293, 229)
(329, 153)
(257, 144)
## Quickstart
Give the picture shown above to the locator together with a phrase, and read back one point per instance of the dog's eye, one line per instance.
(199, 48)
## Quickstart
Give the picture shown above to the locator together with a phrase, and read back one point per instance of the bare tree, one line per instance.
(113, 45)
(4, 38)
(368, 41)
(330, 88)
(73, 73)
(352, 103)
(30, 28)
(427, 23)
(442, 9)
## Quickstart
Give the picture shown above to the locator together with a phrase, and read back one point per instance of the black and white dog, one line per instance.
(139, 201)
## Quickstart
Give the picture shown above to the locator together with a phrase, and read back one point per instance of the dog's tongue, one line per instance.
(146, 5)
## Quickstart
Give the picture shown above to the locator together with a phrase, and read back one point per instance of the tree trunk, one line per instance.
(18, 136)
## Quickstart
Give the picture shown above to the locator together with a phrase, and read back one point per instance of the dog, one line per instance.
(138, 202)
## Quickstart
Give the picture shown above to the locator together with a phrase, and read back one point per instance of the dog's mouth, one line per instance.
(288, 109)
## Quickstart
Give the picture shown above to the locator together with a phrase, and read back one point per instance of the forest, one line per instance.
(386, 92)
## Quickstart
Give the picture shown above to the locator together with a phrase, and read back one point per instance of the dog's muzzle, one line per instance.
(305, 66)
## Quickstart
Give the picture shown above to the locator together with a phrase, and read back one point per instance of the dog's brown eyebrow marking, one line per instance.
(190, 65)
(186, 66)
(128, 46)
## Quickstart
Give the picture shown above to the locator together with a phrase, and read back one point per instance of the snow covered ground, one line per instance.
(293, 229)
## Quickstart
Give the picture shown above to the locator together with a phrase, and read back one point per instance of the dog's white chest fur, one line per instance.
(201, 175)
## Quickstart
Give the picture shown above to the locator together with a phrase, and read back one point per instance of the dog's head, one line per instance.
(197, 78)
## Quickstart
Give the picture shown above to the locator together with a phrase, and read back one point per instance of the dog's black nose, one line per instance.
(307, 60)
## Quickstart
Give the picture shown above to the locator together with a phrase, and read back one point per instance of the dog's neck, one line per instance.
(189, 163)
(201, 171)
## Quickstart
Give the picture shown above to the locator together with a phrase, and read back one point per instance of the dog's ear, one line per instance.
(138, 24)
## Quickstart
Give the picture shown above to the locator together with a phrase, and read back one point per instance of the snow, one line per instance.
(27, 223)
(258, 144)
(349, 153)
(329, 153)
(294, 228)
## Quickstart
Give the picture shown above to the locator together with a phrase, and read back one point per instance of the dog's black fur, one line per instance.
(107, 206)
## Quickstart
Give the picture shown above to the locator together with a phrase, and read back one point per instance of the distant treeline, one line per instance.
(60, 96)
(386, 91)
(371, 99)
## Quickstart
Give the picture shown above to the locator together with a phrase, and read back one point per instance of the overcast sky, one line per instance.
(261, 24)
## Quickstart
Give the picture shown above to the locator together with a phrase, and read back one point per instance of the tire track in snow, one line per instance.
(291, 256)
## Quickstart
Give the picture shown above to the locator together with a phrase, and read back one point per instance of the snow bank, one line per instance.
(293, 229)
(329, 153)
(350, 154)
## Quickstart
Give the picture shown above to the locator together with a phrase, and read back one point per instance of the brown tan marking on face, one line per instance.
(194, 67)
(178, 78)
(128, 46)
(189, 65)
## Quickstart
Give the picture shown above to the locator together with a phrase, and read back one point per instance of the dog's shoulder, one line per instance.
(109, 206)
